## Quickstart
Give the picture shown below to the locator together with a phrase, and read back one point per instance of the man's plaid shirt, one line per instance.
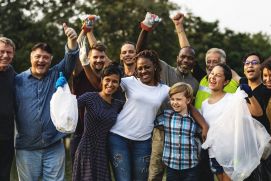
(180, 145)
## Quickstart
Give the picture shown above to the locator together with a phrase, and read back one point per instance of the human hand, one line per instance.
(178, 19)
(88, 22)
(150, 21)
(61, 81)
(246, 88)
(83, 51)
(71, 35)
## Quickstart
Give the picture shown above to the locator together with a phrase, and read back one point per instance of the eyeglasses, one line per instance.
(252, 62)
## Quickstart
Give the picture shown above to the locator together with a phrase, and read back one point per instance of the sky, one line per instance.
(250, 16)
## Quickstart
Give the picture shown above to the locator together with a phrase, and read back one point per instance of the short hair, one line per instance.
(128, 42)
(181, 87)
(251, 54)
(42, 46)
(154, 58)
(111, 69)
(266, 64)
(190, 48)
(219, 51)
(98, 46)
(226, 70)
(8, 41)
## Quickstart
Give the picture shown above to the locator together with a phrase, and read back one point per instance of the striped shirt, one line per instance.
(180, 145)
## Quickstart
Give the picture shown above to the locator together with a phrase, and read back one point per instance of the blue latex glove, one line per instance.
(61, 81)
(247, 89)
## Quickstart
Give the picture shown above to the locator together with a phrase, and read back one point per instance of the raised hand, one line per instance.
(71, 35)
(178, 19)
(88, 22)
(150, 21)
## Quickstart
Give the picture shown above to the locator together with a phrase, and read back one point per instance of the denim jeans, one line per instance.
(183, 175)
(130, 159)
(47, 163)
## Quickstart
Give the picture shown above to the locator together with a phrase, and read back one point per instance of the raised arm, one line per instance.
(147, 25)
(178, 20)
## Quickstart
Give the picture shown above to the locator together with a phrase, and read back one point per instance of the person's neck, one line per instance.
(129, 70)
(105, 97)
(183, 112)
(254, 83)
(215, 96)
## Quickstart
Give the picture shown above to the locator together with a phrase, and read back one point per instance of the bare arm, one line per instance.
(268, 111)
(254, 107)
(92, 77)
(235, 76)
(200, 120)
(141, 43)
(178, 22)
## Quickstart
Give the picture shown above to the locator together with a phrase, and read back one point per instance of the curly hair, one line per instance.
(154, 58)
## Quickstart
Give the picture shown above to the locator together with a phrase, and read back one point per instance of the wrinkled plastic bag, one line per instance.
(237, 139)
(64, 110)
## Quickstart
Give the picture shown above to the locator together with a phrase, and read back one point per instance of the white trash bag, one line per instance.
(64, 110)
(238, 140)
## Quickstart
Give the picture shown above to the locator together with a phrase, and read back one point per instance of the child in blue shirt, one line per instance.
(180, 153)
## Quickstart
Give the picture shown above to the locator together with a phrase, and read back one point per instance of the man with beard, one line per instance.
(7, 74)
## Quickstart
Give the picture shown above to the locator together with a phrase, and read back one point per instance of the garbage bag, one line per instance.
(64, 110)
(237, 139)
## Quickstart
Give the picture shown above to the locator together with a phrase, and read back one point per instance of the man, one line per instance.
(39, 147)
(127, 53)
(252, 70)
(7, 74)
(213, 57)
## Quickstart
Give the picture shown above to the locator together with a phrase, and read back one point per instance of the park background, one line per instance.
(30, 21)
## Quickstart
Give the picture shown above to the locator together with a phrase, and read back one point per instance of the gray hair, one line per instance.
(219, 51)
(8, 41)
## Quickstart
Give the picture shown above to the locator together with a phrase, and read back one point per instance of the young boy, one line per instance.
(180, 154)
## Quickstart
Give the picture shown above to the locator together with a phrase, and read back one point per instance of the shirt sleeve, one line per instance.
(159, 121)
(67, 64)
(81, 100)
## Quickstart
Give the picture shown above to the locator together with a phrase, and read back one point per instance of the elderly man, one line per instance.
(39, 147)
(7, 74)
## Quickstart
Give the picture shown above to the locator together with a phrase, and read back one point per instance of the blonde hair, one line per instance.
(219, 51)
(181, 87)
(7, 41)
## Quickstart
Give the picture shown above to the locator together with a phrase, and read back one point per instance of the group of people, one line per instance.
(136, 118)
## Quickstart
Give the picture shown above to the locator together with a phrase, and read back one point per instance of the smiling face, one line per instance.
(40, 62)
(179, 102)
(127, 54)
(6, 55)
(186, 60)
(212, 59)
(145, 71)
(252, 68)
(216, 79)
(97, 60)
(267, 78)
(110, 84)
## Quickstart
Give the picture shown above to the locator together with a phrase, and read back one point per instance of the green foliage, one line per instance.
(30, 21)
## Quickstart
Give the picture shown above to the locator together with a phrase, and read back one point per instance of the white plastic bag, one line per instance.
(237, 139)
(64, 110)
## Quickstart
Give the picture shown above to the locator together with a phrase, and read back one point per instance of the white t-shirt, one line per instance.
(213, 112)
(136, 120)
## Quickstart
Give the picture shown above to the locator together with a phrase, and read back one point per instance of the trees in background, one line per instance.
(30, 21)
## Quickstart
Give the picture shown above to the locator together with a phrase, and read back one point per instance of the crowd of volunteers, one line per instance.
(138, 118)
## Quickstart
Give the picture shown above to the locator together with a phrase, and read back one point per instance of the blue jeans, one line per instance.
(183, 175)
(130, 159)
(47, 163)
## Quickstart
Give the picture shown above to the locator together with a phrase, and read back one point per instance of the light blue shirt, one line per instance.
(33, 121)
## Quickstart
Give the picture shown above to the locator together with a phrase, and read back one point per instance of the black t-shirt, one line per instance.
(7, 104)
(262, 94)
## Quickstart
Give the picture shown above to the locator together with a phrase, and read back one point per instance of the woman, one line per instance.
(130, 137)
(233, 138)
(91, 162)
